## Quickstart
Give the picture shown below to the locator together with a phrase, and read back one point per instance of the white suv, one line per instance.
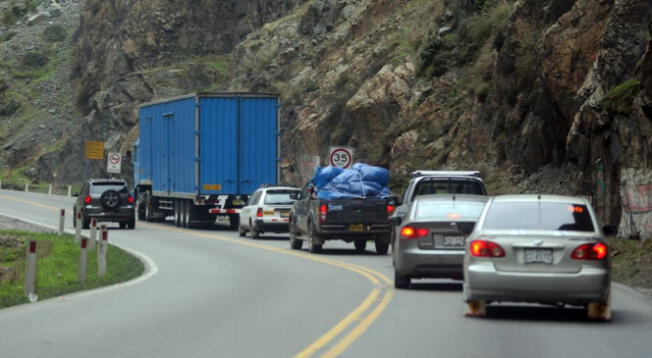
(268, 210)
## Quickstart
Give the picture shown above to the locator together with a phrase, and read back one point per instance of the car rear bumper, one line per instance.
(348, 229)
(430, 263)
(122, 214)
(267, 225)
(483, 282)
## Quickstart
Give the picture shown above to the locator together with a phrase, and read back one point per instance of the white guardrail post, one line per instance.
(62, 218)
(78, 227)
(69, 190)
(27, 187)
(30, 272)
(91, 244)
(83, 260)
(50, 189)
(101, 252)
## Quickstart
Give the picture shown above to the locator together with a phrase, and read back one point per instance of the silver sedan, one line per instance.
(538, 248)
(430, 242)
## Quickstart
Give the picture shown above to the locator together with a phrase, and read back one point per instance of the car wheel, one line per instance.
(476, 308)
(313, 247)
(599, 311)
(295, 242)
(381, 248)
(234, 221)
(131, 224)
(86, 222)
(360, 245)
(401, 281)
(242, 232)
(254, 233)
(110, 199)
(123, 224)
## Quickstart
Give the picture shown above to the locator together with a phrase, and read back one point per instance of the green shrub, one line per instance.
(34, 59)
(55, 33)
(621, 97)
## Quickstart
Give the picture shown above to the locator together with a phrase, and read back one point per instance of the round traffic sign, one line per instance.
(114, 158)
(341, 157)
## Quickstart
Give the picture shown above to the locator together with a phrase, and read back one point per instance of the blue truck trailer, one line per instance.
(200, 156)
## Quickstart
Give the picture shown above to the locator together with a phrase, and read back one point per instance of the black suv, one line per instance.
(105, 200)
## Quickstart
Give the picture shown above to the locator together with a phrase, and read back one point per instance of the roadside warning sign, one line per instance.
(341, 157)
(114, 163)
(94, 150)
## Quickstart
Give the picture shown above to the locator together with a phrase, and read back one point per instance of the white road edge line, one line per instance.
(151, 268)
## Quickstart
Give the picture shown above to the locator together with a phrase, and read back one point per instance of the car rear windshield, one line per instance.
(448, 210)
(101, 187)
(280, 197)
(448, 187)
(538, 216)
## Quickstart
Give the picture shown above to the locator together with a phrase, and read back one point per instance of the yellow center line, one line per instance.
(373, 276)
(29, 202)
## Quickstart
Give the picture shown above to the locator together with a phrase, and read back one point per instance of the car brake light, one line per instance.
(130, 199)
(390, 209)
(88, 199)
(323, 210)
(259, 213)
(590, 252)
(408, 233)
(483, 248)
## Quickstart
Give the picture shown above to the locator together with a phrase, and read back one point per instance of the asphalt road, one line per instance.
(210, 293)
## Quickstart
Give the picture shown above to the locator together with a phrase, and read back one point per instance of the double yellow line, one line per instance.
(345, 332)
(365, 314)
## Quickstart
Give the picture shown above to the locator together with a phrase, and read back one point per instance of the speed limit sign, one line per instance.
(341, 157)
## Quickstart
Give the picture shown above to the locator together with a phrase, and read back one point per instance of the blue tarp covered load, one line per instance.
(362, 181)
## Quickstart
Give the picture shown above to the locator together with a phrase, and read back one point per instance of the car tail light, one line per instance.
(390, 210)
(130, 199)
(409, 233)
(590, 252)
(484, 248)
(88, 199)
(259, 213)
(323, 210)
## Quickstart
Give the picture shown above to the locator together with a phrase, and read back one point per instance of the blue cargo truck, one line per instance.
(200, 156)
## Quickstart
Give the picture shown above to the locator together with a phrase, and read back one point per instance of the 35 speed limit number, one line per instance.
(341, 157)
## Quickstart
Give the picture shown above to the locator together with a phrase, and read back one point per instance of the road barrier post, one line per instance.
(91, 244)
(27, 187)
(83, 260)
(0, 184)
(101, 253)
(30, 272)
(78, 227)
(69, 190)
(50, 189)
(62, 218)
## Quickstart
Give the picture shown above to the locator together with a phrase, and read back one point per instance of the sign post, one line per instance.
(341, 157)
(113, 163)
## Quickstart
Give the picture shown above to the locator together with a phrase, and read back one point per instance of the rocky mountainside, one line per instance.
(541, 95)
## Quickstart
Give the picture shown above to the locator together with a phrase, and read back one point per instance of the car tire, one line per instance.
(360, 245)
(110, 199)
(599, 311)
(401, 281)
(381, 248)
(234, 221)
(131, 224)
(86, 222)
(242, 232)
(313, 247)
(476, 308)
(123, 225)
(255, 234)
(295, 242)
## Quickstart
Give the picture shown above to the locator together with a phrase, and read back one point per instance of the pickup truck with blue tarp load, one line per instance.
(343, 204)
(200, 156)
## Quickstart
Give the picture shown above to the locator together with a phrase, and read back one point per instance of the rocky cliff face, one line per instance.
(542, 95)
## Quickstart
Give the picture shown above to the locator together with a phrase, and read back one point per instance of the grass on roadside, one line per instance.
(632, 262)
(57, 266)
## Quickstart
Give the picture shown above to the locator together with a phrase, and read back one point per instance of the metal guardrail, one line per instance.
(50, 189)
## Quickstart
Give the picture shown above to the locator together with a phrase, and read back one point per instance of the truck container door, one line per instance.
(258, 142)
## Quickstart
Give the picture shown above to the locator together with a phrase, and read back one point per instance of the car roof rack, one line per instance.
(445, 173)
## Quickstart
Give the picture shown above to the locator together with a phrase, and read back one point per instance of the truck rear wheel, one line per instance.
(177, 212)
(360, 245)
(234, 221)
(313, 246)
(185, 213)
(295, 242)
(381, 247)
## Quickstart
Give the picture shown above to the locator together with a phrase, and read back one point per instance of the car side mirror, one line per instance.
(610, 230)
(396, 220)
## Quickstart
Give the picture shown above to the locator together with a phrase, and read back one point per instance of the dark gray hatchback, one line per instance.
(105, 200)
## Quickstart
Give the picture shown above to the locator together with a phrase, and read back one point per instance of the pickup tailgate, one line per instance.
(356, 211)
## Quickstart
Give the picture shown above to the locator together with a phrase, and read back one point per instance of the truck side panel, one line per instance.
(218, 146)
(258, 143)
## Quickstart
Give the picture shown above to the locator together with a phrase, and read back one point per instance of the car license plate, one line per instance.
(285, 213)
(236, 202)
(538, 256)
(356, 227)
(454, 241)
